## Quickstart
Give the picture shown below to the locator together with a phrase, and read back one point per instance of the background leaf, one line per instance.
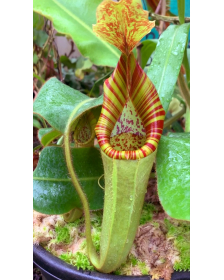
(39, 37)
(75, 18)
(179, 135)
(173, 175)
(56, 101)
(47, 135)
(53, 191)
(167, 59)
(38, 21)
(148, 47)
(69, 62)
(36, 123)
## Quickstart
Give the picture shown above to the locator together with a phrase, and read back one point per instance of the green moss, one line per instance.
(131, 262)
(82, 261)
(147, 213)
(134, 260)
(125, 268)
(155, 224)
(143, 267)
(77, 223)
(96, 241)
(78, 259)
(63, 235)
(181, 235)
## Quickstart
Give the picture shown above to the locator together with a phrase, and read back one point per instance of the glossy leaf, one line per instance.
(148, 47)
(53, 191)
(75, 18)
(173, 175)
(167, 60)
(56, 101)
(179, 135)
(47, 135)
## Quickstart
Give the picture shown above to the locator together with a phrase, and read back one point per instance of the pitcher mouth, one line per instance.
(128, 144)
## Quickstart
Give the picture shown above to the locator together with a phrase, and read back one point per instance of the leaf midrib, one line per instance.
(168, 56)
(85, 26)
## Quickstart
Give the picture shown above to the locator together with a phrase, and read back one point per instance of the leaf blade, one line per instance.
(47, 135)
(56, 101)
(70, 16)
(168, 56)
(53, 190)
(173, 175)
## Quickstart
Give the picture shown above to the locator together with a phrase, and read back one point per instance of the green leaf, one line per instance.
(53, 191)
(39, 37)
(146, 51)
(47, 135)
(38, 21)
(83, 63)
(187, 120)
(56, 101)
(99, 81)
(173, 175)
(186, 64)
(179, 135)
(36, 123)
(75, 18)
(181, 10)
(35, 58)
(188, 55)
(70, 63)
(167, 59)
(40, 119)
(177, 127)
(39, 78)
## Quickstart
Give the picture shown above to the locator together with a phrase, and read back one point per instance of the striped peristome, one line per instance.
(128, 83)
(143, 95)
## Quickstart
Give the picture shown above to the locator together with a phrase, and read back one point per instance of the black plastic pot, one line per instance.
(52, 268)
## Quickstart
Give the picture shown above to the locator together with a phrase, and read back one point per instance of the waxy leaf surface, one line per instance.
(173, 175)
(167, 60)
(75, 18)
(53, 191)
(56, 101)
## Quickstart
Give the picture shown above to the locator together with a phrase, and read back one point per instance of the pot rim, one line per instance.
(52, 265)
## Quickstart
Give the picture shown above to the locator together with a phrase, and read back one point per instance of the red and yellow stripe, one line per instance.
(129, 82)
(123, 23)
